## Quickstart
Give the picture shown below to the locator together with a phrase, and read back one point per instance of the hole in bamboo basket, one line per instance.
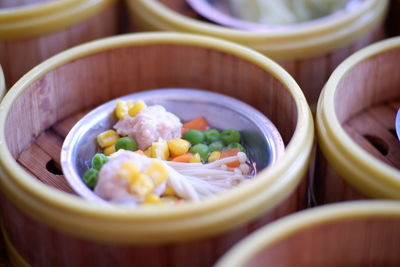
(53, 167)
(378, 143)
(393, 132)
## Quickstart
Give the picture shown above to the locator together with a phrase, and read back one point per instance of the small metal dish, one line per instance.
(262, 140)
(221, 12)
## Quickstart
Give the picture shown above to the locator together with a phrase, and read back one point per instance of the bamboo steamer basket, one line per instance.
(59, 91)
(31, 32)
(352, 234)
(308, 53)
(356, 127)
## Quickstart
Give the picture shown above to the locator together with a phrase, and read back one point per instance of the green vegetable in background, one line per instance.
(126, 143)
(98, 161)
(212, 135)
(200, 149)
(90, 178)
(194, 136)
(236, 145)
(216, 146)
(230, 136)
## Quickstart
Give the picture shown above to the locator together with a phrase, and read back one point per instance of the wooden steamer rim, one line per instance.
(368, 174)
(77, 217)
(2, 84)
(293, 43)
(267, 236)
(33, 20)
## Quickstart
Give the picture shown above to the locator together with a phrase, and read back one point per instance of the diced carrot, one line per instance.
(140, 152)
(183, 158)
(196, 124)
(230, 153)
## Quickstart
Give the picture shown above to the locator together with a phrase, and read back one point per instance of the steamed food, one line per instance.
(283, 12)
(151, 157)
(149, 125)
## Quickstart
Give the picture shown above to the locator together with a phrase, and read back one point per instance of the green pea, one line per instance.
(201, 149)
(98, 161)
(90, 178)
(216, 146)
(127, 143)
(230, 136)
(236, 145)
(212, 135)
(194, 136)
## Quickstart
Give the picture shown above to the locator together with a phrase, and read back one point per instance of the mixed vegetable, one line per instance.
(151, 157)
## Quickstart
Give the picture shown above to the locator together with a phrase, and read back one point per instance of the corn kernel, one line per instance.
(195, 159)
(160, 150)
(157, 172)
(109, 150)
(152, 199)
(215, 155)
(107, 138)
(128, 171)
(142, 186)
(122, 108)
(147, 152)
(169, 191)
(178, 146)
(136, 108)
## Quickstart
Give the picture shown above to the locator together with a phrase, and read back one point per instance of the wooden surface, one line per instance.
(42, 157)
(374, 130)
(19, 56)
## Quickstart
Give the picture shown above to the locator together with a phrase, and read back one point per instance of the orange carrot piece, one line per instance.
(196, 124)
(183, 158)
(230, 153)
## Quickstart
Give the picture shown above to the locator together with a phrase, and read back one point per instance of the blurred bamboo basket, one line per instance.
(356, 127)
(359, 233)
(309, 53)
(32, 33)
(60, 90)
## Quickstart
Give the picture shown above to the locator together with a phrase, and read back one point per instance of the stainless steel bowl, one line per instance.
(263, 142)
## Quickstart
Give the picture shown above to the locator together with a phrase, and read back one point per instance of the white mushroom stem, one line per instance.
(205, 179)
(212, 165)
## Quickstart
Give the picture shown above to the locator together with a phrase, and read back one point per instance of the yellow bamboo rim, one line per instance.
(294, 42)
(367, 174)
(14, 256)
(269, 235)
(2, 84)
(33, 20)
(155, 224)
